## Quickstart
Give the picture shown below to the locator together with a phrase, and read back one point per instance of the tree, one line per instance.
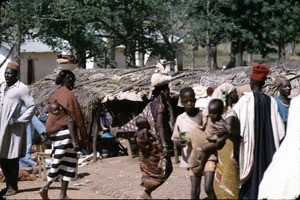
(283, 25)
(16, 22)
(207, 28)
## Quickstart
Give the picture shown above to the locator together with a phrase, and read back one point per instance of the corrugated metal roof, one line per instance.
(35, 46)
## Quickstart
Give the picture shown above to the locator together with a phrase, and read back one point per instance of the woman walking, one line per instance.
(155, 161)
(65, 125)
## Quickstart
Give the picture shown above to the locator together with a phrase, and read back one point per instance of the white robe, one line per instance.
(282, 178)
(12, 137)
(244, 111)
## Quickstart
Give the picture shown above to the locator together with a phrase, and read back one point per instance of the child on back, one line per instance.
(189, 133)
(55, 109)
(143, 133)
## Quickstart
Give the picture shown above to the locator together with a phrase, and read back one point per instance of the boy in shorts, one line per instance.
(189, 132)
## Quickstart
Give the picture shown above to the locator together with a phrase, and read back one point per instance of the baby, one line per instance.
(216, 130)
(54, 108)
(143, 135)
(215, 111)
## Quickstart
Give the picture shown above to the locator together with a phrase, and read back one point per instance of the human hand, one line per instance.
(44, 137)
(13, 121)
(75, 145)
(220, 144)
(165, 151)
(198, 170)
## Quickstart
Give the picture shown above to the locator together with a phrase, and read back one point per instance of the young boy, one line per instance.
(189, 133)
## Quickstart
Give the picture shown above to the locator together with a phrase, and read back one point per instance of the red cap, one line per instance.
(13, 65)
(260, 72)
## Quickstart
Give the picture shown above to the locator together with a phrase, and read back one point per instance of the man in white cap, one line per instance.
(13, 94)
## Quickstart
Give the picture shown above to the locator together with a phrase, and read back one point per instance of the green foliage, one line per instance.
(92, 27)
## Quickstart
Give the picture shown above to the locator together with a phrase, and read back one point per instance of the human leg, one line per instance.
(195, 187)
(209, 184)
(146, 194)
(44, 190)
(63, 191)
(207, 149)
(4, 169)
(11, 173)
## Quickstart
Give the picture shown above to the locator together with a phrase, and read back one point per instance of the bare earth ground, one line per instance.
(111, 178)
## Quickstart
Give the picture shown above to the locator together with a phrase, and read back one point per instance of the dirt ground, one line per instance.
(111, 178)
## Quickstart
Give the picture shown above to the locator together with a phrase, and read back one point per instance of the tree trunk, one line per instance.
(193, 59)
(281, 49)
(232, 62)
(208, 58)
(207, 38)
(239, 55)
(16, 53)
(291, 48)
(81, 56)
(214, 58)
(111, 53)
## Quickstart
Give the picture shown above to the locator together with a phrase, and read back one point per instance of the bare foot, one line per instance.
(44, 193)
(144, 195)
(64, 197)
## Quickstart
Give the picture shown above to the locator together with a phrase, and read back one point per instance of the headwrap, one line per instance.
(280, 79)
(13, 65)
(222, 91)
(259, 72)
(160, 77)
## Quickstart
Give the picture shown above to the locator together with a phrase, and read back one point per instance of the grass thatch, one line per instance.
(94, 86)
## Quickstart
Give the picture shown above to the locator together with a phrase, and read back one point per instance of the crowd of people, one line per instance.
(246, 147)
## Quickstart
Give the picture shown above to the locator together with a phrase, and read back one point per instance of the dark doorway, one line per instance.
(30, 71)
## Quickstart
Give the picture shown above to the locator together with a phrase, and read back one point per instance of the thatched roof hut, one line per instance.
(127, 90)
(124, 92)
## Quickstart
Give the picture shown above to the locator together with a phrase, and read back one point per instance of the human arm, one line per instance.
(160, 129)
(179, 136)
(29, 103)
(29, 106)
(71, 127)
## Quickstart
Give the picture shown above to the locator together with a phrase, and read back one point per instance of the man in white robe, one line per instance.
(13, 94)
(261, 131)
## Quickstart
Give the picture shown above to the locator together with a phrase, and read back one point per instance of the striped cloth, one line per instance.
(65, 162)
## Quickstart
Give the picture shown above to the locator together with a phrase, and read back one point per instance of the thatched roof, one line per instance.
(94, 86)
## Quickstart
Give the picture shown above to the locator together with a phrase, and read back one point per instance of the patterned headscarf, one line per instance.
(222, 91)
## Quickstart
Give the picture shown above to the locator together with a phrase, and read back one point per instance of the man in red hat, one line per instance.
(13, 94)
(261, 130)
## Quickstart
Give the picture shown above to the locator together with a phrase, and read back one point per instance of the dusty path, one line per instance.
(113, 178)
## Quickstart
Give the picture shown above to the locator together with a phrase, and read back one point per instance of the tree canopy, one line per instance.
(92, 27)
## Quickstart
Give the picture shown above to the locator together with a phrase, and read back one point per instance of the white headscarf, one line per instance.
(160, 77)
(222, 91)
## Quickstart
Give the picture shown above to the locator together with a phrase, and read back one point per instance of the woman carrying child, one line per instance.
(227, 176)
(153, 129)
(66, 127)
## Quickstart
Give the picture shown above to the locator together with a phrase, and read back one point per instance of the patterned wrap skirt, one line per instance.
(155, 169)
(65, 162)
